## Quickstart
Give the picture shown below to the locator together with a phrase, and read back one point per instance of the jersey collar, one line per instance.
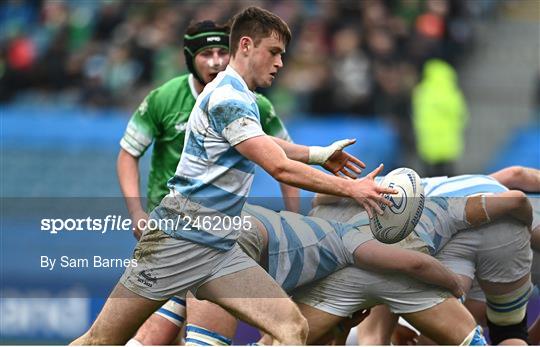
(229, 70)
(192, 86)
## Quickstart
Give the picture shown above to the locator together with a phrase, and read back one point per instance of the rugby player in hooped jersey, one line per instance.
(224, 138)
(162, 118)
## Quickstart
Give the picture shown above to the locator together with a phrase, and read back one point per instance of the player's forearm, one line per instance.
(324, 199)
(431, 271)
(513, 203)
(519, 177)
(303, 176)
(293, 151)
(127, 167)
(291, 197)
(523, 212)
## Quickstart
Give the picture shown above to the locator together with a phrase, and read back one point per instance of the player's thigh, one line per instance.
(498, 288)
(121, 316)
(210, 316)
(252, 296)
(157, 331)
(504, 255)
(434, 322)
(459, 255)
(478, 310)
(476, 303)
(319, 322)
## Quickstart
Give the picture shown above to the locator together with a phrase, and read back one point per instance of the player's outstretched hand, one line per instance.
(369, 194)
(335, 160)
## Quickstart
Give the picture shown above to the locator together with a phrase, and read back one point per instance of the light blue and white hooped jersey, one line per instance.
(213, 179)
(304, 249)
(461, 186)
(444, 209)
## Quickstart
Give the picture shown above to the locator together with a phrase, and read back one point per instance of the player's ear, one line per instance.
(245, 44)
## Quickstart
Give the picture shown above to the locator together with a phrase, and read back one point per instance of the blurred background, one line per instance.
(94, 61)
(444, 87)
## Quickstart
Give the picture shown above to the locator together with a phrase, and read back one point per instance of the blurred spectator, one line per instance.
(109, 16)
(351, 75)
(21, 54)
(52, 70)
(18, 58)
(439, 118)
(394, 79)
(307, 74)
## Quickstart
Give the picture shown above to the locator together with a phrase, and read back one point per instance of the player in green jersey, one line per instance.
(162, 117)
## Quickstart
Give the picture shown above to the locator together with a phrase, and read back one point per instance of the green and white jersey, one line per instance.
(162, 117)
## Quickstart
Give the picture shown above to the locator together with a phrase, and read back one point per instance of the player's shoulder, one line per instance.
(265, 106)
(464, 185)
(473, 179)
(262, 100)
(172, 96)
(231, 85)
(230, 90)
(173, 86)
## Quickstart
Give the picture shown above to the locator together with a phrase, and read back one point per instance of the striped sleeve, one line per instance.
(235, 119)
(242, 129)
(141, 129)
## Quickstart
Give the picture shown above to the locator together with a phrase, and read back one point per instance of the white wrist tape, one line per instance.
(319, 155)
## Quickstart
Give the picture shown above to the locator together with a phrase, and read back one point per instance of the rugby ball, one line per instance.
(400, 219)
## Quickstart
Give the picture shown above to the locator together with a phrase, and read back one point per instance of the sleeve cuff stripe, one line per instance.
(137, 133)
(134, 142)
(129, 148)
(138, 137)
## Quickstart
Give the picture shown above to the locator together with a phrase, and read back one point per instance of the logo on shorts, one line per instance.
(145, 277)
